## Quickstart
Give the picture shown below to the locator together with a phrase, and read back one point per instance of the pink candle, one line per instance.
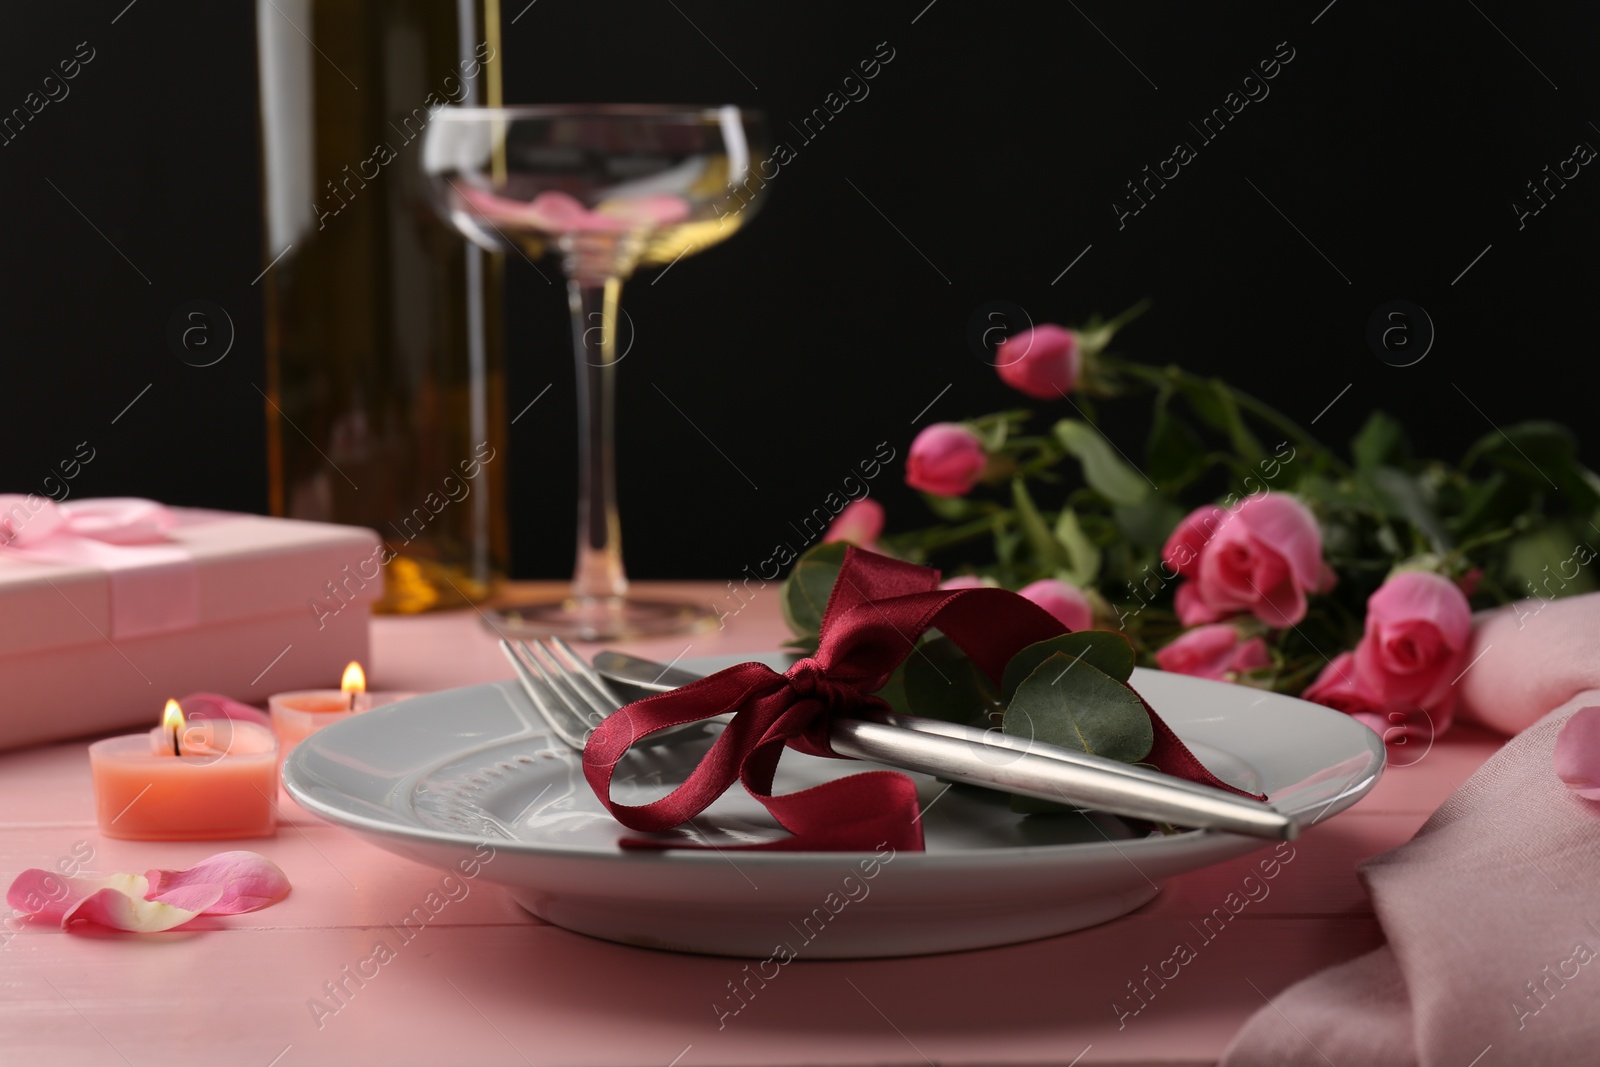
(295, 716)
(206, 780)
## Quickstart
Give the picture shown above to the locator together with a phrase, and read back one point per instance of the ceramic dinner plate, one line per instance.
(439, 777)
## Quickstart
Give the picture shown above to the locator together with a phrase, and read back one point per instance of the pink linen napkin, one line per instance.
(1492, 911)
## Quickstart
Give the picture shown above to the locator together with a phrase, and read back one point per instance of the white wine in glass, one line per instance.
(606, 189)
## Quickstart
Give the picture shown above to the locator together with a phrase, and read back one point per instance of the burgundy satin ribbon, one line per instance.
(878, 609)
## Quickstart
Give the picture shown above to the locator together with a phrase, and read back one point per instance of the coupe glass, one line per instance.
(607, 189)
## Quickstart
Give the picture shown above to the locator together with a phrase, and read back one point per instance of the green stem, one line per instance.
(1489, 538)
(1158, 376)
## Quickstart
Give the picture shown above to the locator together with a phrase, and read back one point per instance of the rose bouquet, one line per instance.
(1235, 546)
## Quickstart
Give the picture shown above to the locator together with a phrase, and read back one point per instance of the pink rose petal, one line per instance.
(225, 884)
(1577, 753)
(245, 881)
(122, 906)
(45, 895)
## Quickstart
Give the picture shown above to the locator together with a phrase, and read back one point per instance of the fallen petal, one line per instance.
(1577, 753)
(48, 896)
(245, 881)
(123, 906)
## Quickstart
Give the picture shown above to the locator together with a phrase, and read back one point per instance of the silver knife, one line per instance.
(994, 760)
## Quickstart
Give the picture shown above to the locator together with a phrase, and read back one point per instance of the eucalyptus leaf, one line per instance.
(942, 683)
(809, 585)
(1023, 805)
(1108, 652)
(1103, 468)
(894, 691)
(1073, 704)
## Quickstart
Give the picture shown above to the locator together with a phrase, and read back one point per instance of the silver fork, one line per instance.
(572, 698)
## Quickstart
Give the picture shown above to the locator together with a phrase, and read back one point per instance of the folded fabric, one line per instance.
(1490, 911)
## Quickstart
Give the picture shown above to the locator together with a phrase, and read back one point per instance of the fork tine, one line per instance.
(558, 678)
(555, 719)
(608, 699)
(595, 703)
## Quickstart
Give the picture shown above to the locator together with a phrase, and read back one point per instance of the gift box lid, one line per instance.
(245, 566)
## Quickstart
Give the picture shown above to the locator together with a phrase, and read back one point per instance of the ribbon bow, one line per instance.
(154, 586)
(878, 609)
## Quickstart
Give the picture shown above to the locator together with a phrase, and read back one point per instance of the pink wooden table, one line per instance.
(484, 982)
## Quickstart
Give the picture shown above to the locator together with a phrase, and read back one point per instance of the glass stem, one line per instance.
(598, 572)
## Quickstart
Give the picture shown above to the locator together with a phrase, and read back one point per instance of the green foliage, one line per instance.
(1109, 653)
(808, 586)
(942, 683)
(1520, 511)
(1103, 468)
(1070, 703)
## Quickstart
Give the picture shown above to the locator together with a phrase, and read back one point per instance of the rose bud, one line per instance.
(1063, 600)
(1043, 362)
(945, 460)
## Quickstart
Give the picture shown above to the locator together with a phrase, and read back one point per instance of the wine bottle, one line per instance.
(385, 370)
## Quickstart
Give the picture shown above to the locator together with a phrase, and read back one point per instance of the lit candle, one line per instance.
(297, 715)
(199, 781)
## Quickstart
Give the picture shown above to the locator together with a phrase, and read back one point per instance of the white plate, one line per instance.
(436, 777)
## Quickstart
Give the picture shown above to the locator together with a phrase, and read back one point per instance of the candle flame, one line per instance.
(172, 726)
(354, 680)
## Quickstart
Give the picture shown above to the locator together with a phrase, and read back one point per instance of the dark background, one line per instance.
(994, 142)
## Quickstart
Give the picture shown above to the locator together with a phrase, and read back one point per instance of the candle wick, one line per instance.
(352, 700)
(177, 750)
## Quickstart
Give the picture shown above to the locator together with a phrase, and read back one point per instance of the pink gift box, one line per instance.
(278, 604)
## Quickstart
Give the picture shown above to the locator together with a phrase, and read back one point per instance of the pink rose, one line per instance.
(1063, 600)
(945, 460)
(1043, 362)
(860, 523)
(1418, 627)
(1400, 680)
(1577, 753)
(1262, 557)
(1214, 651)
(1337, 688)
(963, 581)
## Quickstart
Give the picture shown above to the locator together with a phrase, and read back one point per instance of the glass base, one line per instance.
(598, 618)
